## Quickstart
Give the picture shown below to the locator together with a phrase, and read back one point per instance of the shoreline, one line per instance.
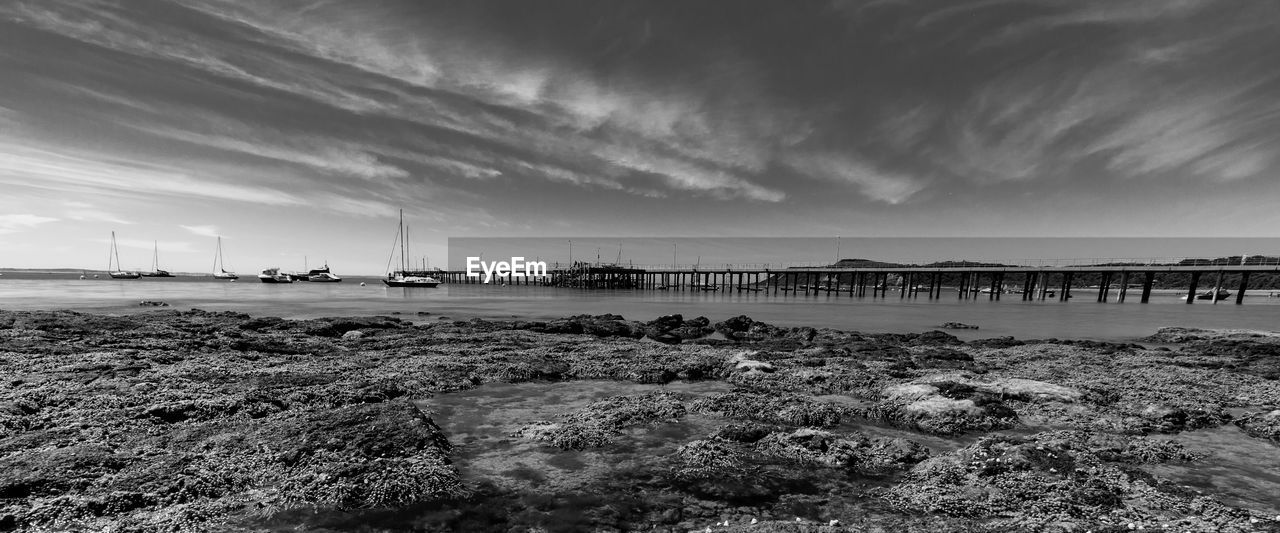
(188, 420)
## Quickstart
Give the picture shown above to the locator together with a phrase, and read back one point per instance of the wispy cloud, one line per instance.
(44, 169)
(203, 231)
(876, 184)
(14, 223)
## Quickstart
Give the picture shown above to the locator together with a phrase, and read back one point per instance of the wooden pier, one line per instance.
(967, 280)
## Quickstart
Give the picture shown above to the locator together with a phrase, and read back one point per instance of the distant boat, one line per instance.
(156, 271)
(1208, 295)
(274, 275)
(219, 268)
(323, 277)
(404, 277)
(318, 275)
(115, 270)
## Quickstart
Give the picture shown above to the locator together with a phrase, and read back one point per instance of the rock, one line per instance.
(747, 432)
(732, 327)
(698, 322)
(667, 338)
(1010, 388)
(943, 408)
(353, 335)
(1261, 425)
(665, 323)
(996, 342)
(740, 363)
(1018, 483)
(789, 409)
(153, 303)
(856, 452)
(956, 325)
(598, 423)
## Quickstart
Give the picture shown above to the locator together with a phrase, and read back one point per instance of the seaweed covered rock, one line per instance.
(788, 409)
(599, 423)
(1056, 481)
(1261, 425)
(856, 452)
(944, 408)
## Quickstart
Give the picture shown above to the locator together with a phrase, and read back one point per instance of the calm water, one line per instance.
(1083, 317)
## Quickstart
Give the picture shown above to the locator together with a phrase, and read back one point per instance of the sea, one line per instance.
(1080, 318)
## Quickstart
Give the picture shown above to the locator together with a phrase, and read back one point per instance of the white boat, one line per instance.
(219, 268)
(115, 271)
(404, 277)
(319, 275)
(274, 275)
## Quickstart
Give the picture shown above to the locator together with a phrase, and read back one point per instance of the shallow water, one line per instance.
(1082, 318)
(1239, 470)
(479, 423)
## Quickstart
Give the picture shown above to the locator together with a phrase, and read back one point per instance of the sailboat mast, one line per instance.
(112, 252)
(155, 256)
(402, 239)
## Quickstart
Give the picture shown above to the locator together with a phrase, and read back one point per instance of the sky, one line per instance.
(297, 130)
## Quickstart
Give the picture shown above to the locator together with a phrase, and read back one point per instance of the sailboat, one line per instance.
(404, 277)
(156, 271)
(115, 270)
(219, 268)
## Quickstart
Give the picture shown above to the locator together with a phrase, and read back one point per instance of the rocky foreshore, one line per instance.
(197, 421)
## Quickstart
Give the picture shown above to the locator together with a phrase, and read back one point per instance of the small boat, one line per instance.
(1209, 295)
(156, 271)
(116, 272)
(404, 277)
(319, 275)
(219, 268)
(274, 275)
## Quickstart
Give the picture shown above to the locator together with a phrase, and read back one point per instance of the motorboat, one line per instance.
(274, 275)
(319, 275)
(1209, 295)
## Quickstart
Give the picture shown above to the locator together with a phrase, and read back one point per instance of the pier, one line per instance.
(1113, 280)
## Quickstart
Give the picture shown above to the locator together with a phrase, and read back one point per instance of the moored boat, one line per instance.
(156, 271)
(274, 275)
(405, 277)
(319, 275)
(323, 277)
(219, 268)
(1209, 295)
(115, 271)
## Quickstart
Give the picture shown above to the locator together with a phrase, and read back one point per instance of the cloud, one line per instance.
(203, 231)
(871, 182)
(14, 223)
(690, 176)
(36, 168)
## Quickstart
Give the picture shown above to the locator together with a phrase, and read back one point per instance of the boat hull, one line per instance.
(275, 279)
(397, 283)
(125, 275)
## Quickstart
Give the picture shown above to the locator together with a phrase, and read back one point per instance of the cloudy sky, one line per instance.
(298, 129)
